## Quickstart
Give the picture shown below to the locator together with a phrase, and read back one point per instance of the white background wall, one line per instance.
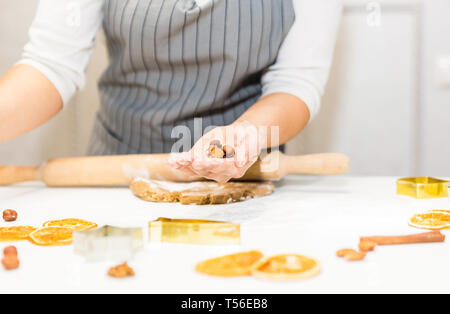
(68, 133)
(384, 105)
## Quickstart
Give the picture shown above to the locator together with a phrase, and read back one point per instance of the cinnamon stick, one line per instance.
(428, 237)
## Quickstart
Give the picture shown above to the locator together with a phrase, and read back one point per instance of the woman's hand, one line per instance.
(241, 143)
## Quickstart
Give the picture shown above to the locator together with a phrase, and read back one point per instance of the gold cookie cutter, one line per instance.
(193, 231)
(422, 187)
(108, 243)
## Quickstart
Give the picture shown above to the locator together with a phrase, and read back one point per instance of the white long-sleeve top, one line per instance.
(62, 39)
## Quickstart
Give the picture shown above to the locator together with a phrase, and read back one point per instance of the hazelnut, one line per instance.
(215, 152)
(10, 262)
(229, 151)
(10, 250)
(216, 143)
(9, 215)
(367, 246)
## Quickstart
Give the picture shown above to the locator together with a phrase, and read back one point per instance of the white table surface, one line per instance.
(313, 216)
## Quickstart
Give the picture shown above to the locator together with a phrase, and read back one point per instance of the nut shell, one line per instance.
(229, 151)
(121, 271)
(216, 143)
(351, 255)
(355, 256)
(367, 246)
(344, 252)
(215, 152)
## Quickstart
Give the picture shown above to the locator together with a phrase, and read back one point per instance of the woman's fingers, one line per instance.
(188, 172)
(212, 165)
(243, 138)
(179, 160)
(219, 176)
(219, 170)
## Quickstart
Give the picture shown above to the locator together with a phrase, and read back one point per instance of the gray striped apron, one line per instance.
(174, 61)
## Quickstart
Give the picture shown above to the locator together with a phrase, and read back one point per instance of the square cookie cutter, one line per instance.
(191, 231)
(422, 187)
(108, 243)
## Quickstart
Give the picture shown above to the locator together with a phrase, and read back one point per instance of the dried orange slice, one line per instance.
(432, 220)
(286, 267)
(71, 223)
(51, 236)
(8, 234)
(441, 211)
(238, 264)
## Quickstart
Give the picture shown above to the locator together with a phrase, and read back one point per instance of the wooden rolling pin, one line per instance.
(121, 170)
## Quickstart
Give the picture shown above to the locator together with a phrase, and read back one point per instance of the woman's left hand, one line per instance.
(241, 141)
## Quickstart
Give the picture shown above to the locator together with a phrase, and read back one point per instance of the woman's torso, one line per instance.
(173, 61)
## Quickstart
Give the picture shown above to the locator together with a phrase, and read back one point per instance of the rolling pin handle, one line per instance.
(16, 174)
(320, 164)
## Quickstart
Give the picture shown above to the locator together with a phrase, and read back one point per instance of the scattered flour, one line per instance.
(131, 172)
(176, 186)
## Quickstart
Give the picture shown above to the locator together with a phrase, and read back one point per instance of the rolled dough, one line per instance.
(200, 193)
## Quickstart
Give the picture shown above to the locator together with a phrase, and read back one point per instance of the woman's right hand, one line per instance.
(243, 142)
